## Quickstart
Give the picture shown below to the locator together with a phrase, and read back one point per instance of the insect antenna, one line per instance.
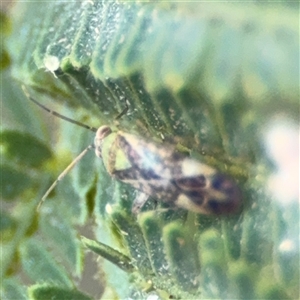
(64, 173)
(54, 113)
(76, 160)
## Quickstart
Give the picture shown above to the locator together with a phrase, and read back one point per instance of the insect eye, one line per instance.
(103, 132)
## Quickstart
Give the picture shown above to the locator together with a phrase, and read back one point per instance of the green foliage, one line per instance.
(13, 182)
(5, 29)
(41, 292)
(209, 78)
(33, 154)
(109, 253)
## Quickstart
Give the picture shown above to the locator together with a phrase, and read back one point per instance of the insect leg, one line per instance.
(123, 112)
(64, 173)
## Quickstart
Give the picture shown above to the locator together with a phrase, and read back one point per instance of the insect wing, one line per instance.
(153, 160)
(144, 168)
(161, 172)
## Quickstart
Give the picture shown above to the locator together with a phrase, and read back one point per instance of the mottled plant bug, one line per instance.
(158, 171)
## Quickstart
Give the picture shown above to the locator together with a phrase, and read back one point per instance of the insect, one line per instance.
(158, 171)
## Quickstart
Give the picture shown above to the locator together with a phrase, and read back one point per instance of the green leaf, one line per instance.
(13, 182)
(42, 292)
(134, 241)
(114, 256)
(5, 60)
(12, 289)
(8, 226)
(33, 153)
(152, 231)
(40, 266)
(62, 239)
(243, 276)
(182, 256)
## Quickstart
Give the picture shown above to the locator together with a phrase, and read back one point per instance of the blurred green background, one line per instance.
(219, 80)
